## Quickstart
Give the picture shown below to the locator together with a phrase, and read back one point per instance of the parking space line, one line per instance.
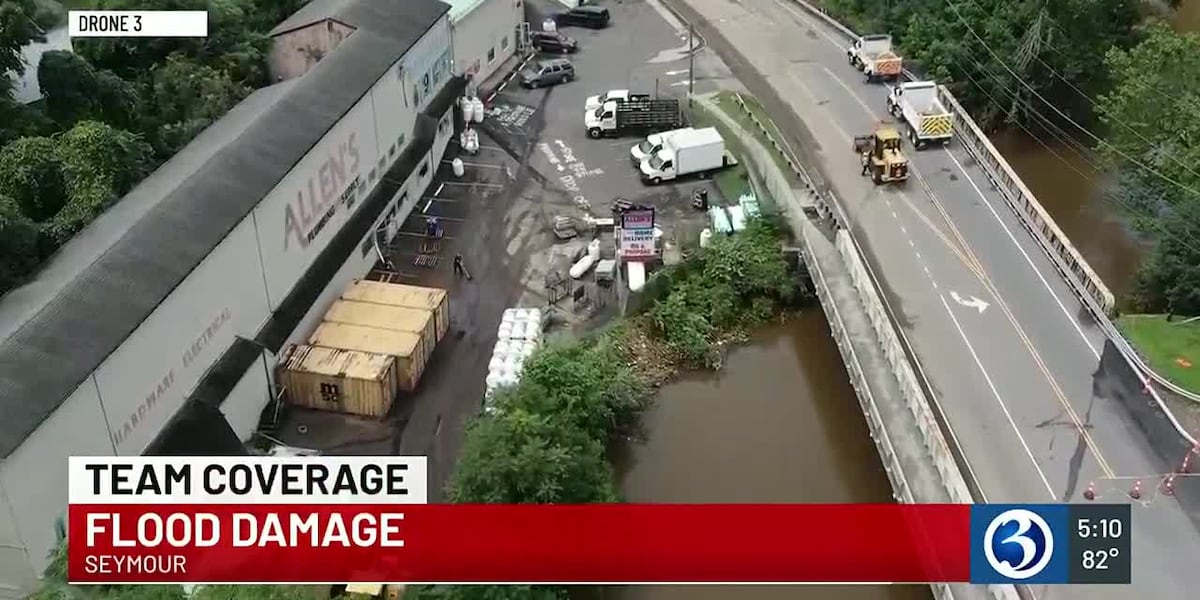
(436, 199)
(439, 190)
(466, 184)
(475, 164)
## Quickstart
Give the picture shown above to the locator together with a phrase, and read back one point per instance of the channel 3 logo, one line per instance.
(1017, 544)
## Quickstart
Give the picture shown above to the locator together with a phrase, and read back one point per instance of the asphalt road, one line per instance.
(1010, 352)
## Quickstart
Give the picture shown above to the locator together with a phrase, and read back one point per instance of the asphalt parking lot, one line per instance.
(639, 51)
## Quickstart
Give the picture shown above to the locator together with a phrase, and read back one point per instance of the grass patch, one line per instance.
(1172, 349)
(734, 181)
(727, 102)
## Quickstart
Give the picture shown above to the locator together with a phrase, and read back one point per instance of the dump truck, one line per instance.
(917, 104)
(873, 55)
(643, 116)
(881, 156)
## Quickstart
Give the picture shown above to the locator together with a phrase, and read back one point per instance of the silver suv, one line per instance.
(548, 72)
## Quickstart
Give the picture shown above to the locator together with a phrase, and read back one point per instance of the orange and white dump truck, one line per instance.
(873, 55)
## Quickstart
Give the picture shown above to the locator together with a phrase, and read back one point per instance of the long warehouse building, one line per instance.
(156, 330)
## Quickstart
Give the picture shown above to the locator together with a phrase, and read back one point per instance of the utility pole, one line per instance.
(691, 62)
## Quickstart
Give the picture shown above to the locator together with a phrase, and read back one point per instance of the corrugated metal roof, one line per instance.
(100, 287)
(336, 362)
(395, 294)
(365, 339)
(383, 316)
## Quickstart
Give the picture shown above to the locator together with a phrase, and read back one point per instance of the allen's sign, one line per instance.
(316, 201)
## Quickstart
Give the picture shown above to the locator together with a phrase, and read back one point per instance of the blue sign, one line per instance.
(1019, 543)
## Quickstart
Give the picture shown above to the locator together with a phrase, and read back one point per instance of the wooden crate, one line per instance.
(349, 381)
(411, 296)
(402, 345)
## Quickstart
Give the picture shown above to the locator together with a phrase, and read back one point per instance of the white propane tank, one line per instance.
(494, 380)
(468, 109)
(705, 237)
(505, 331)
(518, 330)
(594, 248)
(477, 110)
(520, 314)
(535, 315)
(470, 141)
(503, 347)
(549, 25)
(457, 165)
(497, 361)
(510, 315)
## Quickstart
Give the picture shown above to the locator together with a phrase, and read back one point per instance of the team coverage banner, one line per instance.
(367, 520)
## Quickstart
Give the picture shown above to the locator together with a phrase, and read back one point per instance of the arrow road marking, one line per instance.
(972, 302)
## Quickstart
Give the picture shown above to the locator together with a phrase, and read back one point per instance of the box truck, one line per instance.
(694, 152)
(653, 143)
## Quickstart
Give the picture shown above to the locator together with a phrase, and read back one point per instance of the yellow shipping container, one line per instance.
(411, 296)
(402, 345)
(340, 380)
(386, 316)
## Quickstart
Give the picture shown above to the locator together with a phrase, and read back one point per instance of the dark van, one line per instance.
(594, 17)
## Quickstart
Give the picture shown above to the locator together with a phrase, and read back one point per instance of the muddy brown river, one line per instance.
(778, 423)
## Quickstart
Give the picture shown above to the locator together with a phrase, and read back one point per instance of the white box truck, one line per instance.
(692, 152)
(917, 104)
(653, 143)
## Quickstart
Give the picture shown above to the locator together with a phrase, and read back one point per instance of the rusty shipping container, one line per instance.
(410, 296)
(403, 346)
(340, 380)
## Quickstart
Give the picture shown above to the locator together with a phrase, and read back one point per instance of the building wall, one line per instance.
(34, 476)
(146, 380)
(293, 53)
(136, 390)
(486, 37)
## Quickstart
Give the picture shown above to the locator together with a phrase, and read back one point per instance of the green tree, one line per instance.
(1152, 135)
(188, 97)
(18, 27)
(100, 163)
(18, 245)
(517, 457)
(74, 91)
(31, 175)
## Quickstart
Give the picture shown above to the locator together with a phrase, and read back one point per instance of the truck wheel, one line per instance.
(877, 176)
(566, 78)
(595, 133)
(656, 181)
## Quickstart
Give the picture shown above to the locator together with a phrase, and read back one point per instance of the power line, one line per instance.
(1060, 135)
(1067, 118)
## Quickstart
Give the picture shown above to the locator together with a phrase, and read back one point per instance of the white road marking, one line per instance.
(679, 83)
(475, 164)
(678, 72)
(1028, 260)
(439, 190)
(970, 302)
(469, 184)
(996, 394)
(427, 204)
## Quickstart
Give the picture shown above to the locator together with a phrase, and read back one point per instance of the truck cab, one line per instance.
(651, 145)
(618, 96)
(873, 55)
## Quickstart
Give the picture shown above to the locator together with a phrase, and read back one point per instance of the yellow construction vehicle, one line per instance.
(881, 155)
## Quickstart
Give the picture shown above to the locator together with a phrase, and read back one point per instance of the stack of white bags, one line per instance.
(519, 335)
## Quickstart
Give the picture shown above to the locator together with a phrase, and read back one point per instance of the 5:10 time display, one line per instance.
(1106, 529)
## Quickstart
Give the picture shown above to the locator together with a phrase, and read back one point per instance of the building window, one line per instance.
(330, 393)
(371, 177)
(416, 95)
(425, 84)
(382, 164)
(504, 42)
(392, 151)
(368, 244)
(443, 124)
(491, 55)
(400, 141)
(424, 168)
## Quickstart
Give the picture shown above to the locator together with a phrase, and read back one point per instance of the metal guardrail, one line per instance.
(1084, 282)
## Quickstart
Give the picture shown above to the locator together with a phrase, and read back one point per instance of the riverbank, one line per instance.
(1171, 347)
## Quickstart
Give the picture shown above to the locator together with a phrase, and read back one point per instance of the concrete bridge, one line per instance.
(977, 337)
